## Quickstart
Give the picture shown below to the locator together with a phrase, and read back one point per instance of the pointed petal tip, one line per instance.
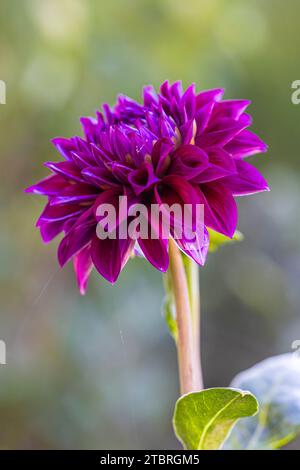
(112, 279)
(247, 102)
(163, 269)
(82, 290)
(46, 240)
(33, 190)
(61, 259)
(264, 147)
(155, 251)
(61, 262)
(230, 231)
(58, 140)
(108, 257)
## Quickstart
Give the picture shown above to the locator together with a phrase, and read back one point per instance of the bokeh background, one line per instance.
(100, 371)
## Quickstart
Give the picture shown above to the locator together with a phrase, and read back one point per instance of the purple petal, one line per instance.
(101, 177)
(50, 230)
(110, 256)
(188, 132)
(127, 109)
(245, 144)
(155, 251)
(248, 180)
(106, 197)
(149, 96)
(66, 169)
(188, 100)
(49, 186)
(142, 178)
(83, 266)
(88, 125)
(121, 210)
(101, 155)
(220, 210)
(176, 89)
(220, 164)
(82, 146)
(75, 194)
(197, 249)
(176, 190)
(188, 161)
(208, 96)
(230, 108)
(161, 154)
(120, 144)
(221, 132)
(64, 146)
(203, 115)
(120, 171)
(79, 236)
(82, 159)
(62, 212)
(92, 126)
(165, 89)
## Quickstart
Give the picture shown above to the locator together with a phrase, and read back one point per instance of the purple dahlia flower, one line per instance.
(177, 147)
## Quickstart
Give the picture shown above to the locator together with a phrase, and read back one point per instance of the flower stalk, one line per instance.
(192, 273)
(184, 279)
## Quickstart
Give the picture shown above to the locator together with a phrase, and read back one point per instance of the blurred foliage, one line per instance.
(69, 357)
(276, 384)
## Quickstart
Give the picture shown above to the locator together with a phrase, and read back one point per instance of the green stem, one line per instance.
(192, 272)
(186, 296)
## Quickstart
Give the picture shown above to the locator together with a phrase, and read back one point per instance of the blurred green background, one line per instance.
(100, 371)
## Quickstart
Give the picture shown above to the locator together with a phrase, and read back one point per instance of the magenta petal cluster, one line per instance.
(176, 147)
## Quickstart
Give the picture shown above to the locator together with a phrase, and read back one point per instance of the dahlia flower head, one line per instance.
(176, 147)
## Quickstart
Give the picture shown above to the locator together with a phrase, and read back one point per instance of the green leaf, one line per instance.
(203, 420)
(276, 384)
(218, 239)
(169, 309)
